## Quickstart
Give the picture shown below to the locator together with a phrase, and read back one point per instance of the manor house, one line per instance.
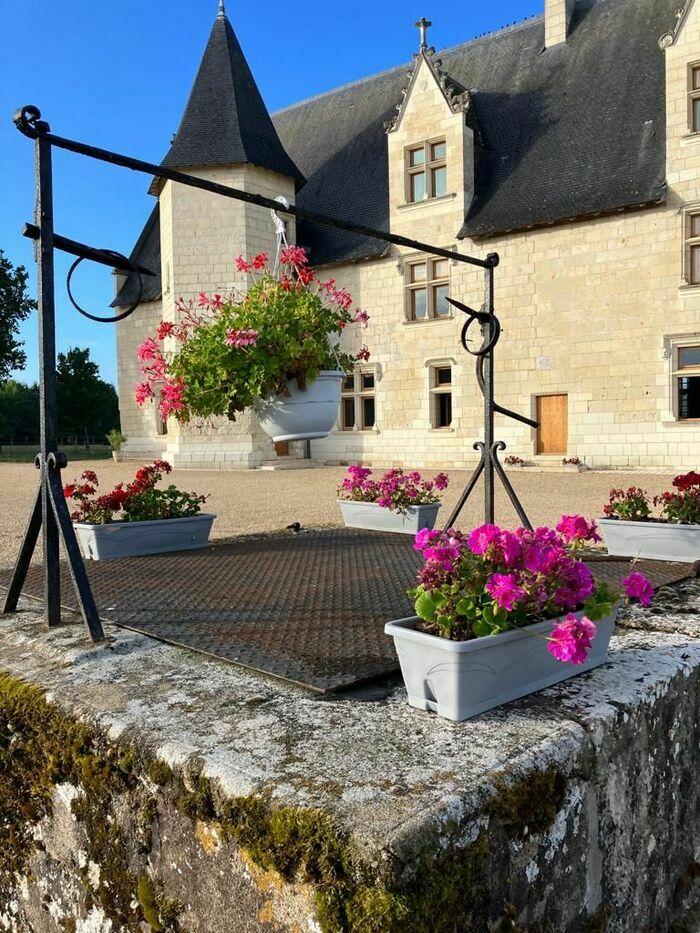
(568, 143)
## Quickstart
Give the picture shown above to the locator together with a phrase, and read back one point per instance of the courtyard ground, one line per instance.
(257, 501)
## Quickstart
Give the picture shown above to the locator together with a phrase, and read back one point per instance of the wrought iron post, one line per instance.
(50, 512)
(489, 448)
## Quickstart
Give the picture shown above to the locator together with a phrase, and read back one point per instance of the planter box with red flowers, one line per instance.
(631, 529)
(138, 518)
(274, 350)
(398, 502)
(502, 614)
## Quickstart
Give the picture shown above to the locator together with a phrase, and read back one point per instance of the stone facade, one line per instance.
(593, 309)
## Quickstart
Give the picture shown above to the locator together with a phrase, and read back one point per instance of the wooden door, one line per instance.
(282, 448)
(553, 416)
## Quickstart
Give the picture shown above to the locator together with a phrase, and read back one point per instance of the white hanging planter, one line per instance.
(460, 679)
(304, 414)
(651, 540)
(135, 539)
(373, 517)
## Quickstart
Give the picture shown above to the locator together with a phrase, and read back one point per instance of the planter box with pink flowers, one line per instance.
(630, 528)
(502, 614)
(398, 502)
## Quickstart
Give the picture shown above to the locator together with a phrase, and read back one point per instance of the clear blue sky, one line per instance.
(118, 74)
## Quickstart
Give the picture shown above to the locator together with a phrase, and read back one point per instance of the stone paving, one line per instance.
(255, 501)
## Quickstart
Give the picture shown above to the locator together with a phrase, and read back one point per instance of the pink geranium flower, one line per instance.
(481, 539)
(571, 640)
(505, 590)
(636, 586)
(241, 338)
(574, 529)
(142, 393)
(149, 350)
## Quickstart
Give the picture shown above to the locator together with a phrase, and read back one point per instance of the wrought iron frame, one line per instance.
(50, 514)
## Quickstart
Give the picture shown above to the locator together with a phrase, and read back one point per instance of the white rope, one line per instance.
(281, 231)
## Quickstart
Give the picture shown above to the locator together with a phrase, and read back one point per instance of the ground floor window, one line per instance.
(358, 401)
(440, 396)
(687, 379)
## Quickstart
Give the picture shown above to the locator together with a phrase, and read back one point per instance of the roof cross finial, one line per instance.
(222, 8)
(423, 24)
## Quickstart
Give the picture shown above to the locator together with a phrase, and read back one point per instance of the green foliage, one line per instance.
(87, 405)
(116, 439)
(601, 602)
(631, 505)
(154, 504)
(19, 411)
(293, 327)
(15, 307)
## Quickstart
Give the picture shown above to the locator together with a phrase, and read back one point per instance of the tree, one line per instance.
(15, 307)
(88, 406)
(19, 412)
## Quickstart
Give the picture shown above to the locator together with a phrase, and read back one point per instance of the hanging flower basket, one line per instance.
(275, 350)
(631, 529)
(398, 502)
(502, 614)
(136, 519)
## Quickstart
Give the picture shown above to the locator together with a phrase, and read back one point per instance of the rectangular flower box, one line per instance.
(375, 517)
(651, 540)
(134, 539)
(460, 679)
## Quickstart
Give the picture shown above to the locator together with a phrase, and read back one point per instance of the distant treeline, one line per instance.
(88, 406)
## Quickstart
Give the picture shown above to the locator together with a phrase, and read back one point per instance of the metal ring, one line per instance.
(490, 344)
(118, 317)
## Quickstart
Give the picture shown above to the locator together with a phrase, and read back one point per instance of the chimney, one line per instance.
(557, 17)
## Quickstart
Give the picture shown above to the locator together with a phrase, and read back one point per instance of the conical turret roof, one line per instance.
(226, 120)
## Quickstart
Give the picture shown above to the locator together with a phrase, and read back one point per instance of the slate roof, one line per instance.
(226, 120)
(147, 253)
(568, 132)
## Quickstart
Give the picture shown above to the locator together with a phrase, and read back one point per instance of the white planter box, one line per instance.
(133, 539)
(460, 679)
(374, 517)
(303, 414)
(651, 540)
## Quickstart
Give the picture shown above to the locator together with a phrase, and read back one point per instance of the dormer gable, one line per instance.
(431, 149)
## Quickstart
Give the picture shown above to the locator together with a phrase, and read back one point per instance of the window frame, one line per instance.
(427, 167)
(693, 96)
(691, 245)
(683, 372)
(429, 284)
(437, 389)
(358, 394)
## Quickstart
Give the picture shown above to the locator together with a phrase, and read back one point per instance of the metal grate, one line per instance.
(309, 608)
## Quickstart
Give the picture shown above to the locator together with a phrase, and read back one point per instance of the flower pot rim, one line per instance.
(419, 505)
(147, 521)
(654, 522)
(406, 628)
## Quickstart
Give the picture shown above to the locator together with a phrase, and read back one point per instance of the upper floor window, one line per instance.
(427, 289)
(426, 171)
(692, 259)
(694, 97)
(358, 406)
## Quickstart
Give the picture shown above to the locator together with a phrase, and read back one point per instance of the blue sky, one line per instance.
(118, 74)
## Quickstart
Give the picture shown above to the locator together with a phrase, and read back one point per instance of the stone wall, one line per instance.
(145, 787)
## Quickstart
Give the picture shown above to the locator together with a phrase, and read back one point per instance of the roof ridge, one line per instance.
(448, 50)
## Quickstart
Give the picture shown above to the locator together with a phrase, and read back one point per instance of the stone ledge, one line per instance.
(580, 802)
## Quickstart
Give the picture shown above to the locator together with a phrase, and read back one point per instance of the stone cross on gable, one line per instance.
(423, 25)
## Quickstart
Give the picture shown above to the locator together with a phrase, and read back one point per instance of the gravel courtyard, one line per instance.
(267, 501)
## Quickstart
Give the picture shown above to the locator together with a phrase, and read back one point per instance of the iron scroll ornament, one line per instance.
(117, 317)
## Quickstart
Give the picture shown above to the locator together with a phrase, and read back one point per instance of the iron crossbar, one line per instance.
(50, 513)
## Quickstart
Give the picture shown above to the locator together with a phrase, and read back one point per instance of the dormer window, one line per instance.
(426, 171)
